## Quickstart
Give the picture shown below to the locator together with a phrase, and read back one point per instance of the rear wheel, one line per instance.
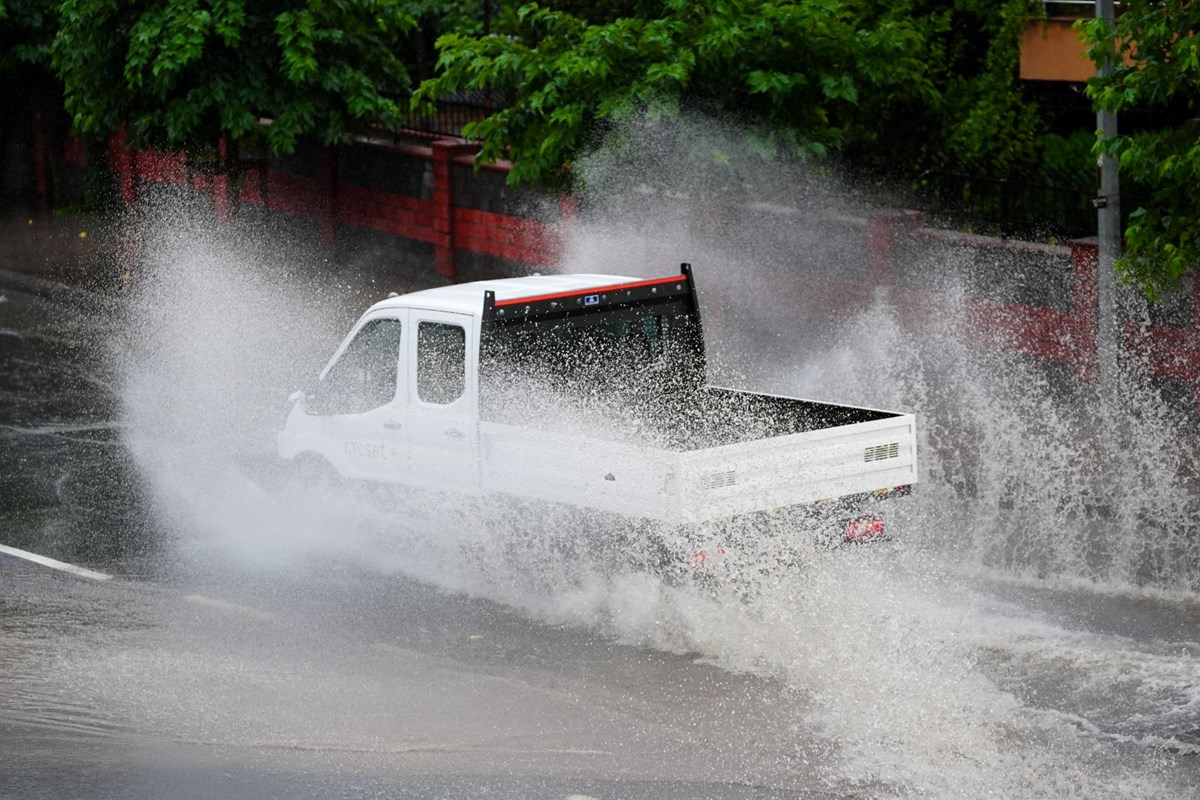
(311, 472)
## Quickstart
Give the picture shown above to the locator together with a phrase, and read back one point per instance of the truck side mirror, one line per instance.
(315, 401)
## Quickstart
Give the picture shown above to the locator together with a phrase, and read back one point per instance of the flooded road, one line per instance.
(355, 687)
(193, 678)
(254, 643)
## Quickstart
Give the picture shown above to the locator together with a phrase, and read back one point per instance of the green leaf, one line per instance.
(179, 72)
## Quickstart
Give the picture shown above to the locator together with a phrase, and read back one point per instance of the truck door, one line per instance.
(442, 416)
(362, 397)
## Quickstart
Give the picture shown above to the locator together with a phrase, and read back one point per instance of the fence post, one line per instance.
(443, 207)
(125, 165)
(883, 231)
(1085, 256)
(568, 209)
(326, 189)
(41, 160)
(1196, 336)
(221, 178)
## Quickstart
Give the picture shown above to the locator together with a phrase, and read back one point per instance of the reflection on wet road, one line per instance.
(66, 483)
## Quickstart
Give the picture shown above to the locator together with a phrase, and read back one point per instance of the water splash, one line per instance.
(916, 682)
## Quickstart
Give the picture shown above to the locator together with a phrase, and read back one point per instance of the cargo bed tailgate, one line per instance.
(798, 468)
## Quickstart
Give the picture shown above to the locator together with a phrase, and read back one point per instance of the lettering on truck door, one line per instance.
(363, 399)
(442, 400)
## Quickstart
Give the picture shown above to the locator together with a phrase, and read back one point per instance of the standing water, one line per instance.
(1030, 633)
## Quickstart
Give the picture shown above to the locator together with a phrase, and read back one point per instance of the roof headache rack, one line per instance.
(581, 300)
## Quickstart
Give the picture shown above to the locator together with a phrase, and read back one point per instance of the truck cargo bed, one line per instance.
(681, 421)
(716, 416)
(642, 479)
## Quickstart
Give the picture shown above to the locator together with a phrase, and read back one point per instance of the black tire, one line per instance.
(311, 472)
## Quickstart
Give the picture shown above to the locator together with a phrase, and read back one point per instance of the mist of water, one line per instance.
(1020, 479)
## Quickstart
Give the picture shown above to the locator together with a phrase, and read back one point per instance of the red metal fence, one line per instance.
(1059, 327)
(437, 219)
(1064, 334)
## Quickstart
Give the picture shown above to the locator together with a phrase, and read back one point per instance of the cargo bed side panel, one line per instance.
(591, 473)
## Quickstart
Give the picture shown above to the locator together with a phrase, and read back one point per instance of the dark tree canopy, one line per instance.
(26, 29)
(894, 87)
(180, 72)
(902, 82)
(807, 70)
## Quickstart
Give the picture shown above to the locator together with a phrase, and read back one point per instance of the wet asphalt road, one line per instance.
(212, 679)
(340, 686)
(330, 682)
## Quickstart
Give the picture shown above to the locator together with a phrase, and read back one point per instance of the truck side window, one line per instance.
(441, 362)
(365, 376)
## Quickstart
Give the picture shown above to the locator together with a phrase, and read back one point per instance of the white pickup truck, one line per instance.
(589, 391)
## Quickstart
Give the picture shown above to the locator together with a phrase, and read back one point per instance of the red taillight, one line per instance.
(865, 528)
(698, 558)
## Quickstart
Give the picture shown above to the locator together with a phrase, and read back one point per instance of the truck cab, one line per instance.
(399, 399)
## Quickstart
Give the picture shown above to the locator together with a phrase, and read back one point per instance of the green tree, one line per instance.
(178, 73)
(26, 29)
(986, 125)
(893, 87)
(30, 110)
(812, 73)
(976, 119)
(1157, 68)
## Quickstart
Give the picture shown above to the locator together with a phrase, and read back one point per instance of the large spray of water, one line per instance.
(916, 679)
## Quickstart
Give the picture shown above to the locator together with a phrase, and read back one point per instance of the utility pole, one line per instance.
(1108, 205)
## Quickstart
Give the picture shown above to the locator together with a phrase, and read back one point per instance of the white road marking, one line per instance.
(55, 430)
(225, 605)
(82, 572)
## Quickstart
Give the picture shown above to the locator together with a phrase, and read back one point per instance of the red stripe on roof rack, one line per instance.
(615, 288)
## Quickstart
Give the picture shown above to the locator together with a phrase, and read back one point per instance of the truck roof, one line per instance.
(467, 298)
